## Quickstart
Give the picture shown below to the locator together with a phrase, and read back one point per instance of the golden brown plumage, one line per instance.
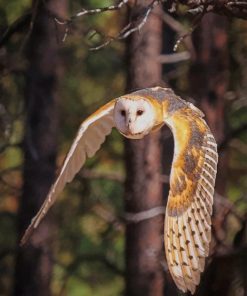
(189, 208)
(187, 231)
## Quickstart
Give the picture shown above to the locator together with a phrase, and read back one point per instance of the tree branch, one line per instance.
(174, 57)
(135, 23)
(228, 8)
(144, 215)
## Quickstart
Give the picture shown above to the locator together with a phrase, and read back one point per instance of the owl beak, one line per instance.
(128, 121)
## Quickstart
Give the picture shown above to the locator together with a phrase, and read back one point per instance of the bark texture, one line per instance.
(144, 240)
(34, 261)
(209, 77)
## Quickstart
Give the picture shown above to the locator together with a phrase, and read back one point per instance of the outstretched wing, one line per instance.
(189, 207)
(90, 136)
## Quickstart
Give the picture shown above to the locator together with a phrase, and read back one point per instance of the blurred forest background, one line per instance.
(98, 238)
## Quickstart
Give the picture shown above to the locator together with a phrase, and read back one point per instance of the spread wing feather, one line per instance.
(90, 136)
(189, 208)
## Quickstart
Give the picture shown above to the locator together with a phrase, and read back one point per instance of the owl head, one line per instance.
(134, 117)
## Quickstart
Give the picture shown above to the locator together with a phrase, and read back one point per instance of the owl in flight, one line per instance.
(187, 230)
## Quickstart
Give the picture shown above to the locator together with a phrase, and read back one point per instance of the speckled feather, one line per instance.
(88, 140)
(189, 208)
(191, 197)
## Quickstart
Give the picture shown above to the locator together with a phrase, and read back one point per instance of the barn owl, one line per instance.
(187, 227)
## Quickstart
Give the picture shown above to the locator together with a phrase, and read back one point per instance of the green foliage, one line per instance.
(11, 10)
(89, 243)
(87, 247)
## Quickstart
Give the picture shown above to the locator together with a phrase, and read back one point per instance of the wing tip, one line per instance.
(185, 286)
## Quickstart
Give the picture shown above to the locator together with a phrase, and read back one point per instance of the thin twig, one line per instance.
(85, 12)
(144, 215)
(195, 23)
(131, 27)
(237, 9)
(174, 57)
(110, 217)
(236, 3)
(180, 30)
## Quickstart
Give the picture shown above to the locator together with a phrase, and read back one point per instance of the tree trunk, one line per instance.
(34, 263)
(209, 80)
(144, 240)
(209, 83)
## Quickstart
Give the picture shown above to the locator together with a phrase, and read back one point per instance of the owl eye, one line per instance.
(123, 112)
(139, 112)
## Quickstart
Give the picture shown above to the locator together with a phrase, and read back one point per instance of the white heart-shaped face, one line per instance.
(134, 118)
